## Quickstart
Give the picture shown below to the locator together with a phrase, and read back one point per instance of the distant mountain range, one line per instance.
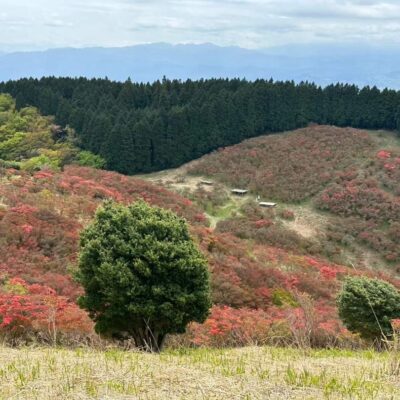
(362, 65)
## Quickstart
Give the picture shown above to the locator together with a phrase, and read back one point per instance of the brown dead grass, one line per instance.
(177, 179)
(248, 373)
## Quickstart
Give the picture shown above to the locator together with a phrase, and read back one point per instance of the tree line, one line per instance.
(139, 127)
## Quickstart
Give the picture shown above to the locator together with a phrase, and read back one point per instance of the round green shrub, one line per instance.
(143, 275)
(366, 306)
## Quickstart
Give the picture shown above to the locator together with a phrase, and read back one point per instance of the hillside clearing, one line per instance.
(248, 373)
(307, 222)
(175, 178)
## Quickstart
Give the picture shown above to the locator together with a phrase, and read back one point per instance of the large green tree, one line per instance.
(366, 306)
(143, 275)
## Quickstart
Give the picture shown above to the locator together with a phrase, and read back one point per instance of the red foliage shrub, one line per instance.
(383, 154)
(28, 311)
(287, 214)
(396, 325)
(228, 326)
(369, 214)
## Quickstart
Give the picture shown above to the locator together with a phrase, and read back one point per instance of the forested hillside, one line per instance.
(147, 127)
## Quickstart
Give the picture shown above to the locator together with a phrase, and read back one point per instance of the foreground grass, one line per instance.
(250, 373)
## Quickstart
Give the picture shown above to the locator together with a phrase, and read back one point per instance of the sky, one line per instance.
(42, 24)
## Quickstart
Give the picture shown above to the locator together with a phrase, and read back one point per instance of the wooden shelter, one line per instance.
(239, 192)
(267, 204)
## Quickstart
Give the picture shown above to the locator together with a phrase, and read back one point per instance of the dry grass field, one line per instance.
(250, 374)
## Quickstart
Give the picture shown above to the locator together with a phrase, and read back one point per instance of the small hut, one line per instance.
(267, 204)
(239, 192)
(208, 183)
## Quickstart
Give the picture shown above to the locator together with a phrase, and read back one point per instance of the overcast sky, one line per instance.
(41, 24)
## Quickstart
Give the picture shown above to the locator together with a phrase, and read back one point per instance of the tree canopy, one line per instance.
(367, 306)
(31, 141)
(143, 275)
(140, 127)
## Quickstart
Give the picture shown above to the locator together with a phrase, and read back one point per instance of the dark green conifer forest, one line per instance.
(140, 127)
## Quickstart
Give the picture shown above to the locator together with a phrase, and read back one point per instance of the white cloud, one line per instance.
(27, 24)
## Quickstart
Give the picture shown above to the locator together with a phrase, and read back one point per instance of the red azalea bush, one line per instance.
(316, 326)
(228, 326)
(287, 214)
(369, 214)
(29, 312)
(387, 170)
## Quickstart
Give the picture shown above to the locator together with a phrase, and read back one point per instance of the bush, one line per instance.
(142, 274)
(228, 326)
(287, 214)
(32, 313)
(366, 306)
(6, 103)
(88, 159)
(39, 162)
(10, 164)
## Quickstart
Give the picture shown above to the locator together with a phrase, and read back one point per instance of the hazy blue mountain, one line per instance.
(362, 65)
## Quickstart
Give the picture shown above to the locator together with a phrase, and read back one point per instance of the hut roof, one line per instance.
(239, 191)
(267, 204)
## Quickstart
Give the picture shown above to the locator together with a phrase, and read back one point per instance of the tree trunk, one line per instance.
(161, 341)
(148, 340)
